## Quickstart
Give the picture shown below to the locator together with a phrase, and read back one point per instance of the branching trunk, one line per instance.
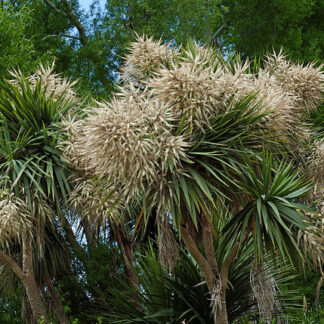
(216, 279)
(198, 256)
(221, 315)
(26, 275)
(208, 266)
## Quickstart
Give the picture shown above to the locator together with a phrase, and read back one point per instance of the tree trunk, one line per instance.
(128, 258)
(59, 310)
(35, 301)
(216, 279)
(26, 311)
(202, 262)
(221, 314)
(208, 266)
(28, 279)
(26, 275)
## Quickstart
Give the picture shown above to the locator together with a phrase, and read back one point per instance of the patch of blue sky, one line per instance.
(85, 4)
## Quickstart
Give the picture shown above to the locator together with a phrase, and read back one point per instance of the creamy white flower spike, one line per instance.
(145, 56)
(306, 83)
(131, 141)
(15, 218)
(54, 85)
(128, 141)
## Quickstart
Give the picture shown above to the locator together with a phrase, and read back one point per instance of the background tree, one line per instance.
(18, 49)
(255, 27)
(90, 45)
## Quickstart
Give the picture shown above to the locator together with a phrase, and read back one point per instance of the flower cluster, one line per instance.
(315, 170)
(128, 141)
(306, 83)
(52, 83)
(146, 55)
(95, 203)
(15, 217)
(133, 140)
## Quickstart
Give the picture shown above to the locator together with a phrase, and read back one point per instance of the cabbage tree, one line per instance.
(34, 178)
(190, 134)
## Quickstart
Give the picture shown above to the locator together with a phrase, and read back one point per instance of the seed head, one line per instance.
(15, 218)
(193, 90)
(128, 141)
(145, 56)
(54, 85)
(306, 83)
(97, 203)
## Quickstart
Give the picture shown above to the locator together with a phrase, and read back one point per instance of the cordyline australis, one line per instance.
(189, 132)
(34, 178)
(188, 136)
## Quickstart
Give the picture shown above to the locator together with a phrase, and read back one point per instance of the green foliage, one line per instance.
(270, 208)
(312, 316)
(307, 282)
(255, 27)
(10, 309)
(171, 20)
(17, 50)
(165, 297)
(33, 30)
(29, 135)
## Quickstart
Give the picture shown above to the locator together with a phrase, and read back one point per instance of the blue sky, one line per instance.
(86, 3)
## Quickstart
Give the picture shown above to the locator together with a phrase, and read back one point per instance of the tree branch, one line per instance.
(62, 35)
(209, 245)
(71, 36)
(52, 5)
(73, 19)
(217, 32)
(12, 264)
(231, 257)
(199, 258)
(127, 257)
(76, 22)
